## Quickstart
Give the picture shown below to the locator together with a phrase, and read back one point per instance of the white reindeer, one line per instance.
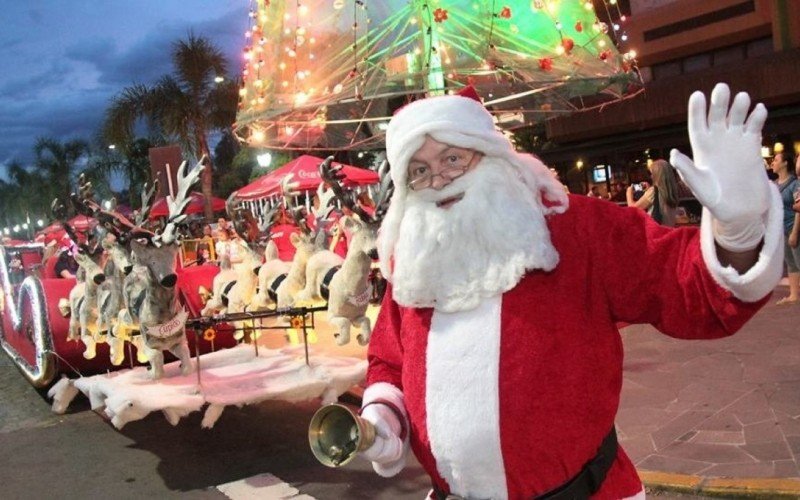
(349, 291)
(149, 291)
(83, 296)
(83, 302)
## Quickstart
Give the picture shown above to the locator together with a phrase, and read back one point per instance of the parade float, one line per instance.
(291, 326)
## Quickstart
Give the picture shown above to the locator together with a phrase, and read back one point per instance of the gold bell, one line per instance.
(336, 433)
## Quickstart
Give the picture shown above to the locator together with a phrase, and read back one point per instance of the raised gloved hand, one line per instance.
(388, 447)
(727, 175)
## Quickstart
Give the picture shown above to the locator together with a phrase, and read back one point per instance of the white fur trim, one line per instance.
(462, 400)
(385, 390)
(764, 276)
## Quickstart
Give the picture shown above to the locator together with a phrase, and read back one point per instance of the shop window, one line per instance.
(729, 55)
(666, 70)
(697, 62)
(760, 47)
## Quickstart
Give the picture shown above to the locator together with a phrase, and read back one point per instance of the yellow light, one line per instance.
(303, 10)
(588, 5)
(579, 163)
(287, 16)
(778, 147)
(413, 20)
(257, 136)
(417, 51)
(262, 18)
(601, 43)
(289, 130)
(258, 83)
(649, 161)
(552, 7)
(300, 98)
(300, 75)
(338, 88)
(312, 40)
(632, 54)
(282, 65)
(287, 31)
(292, 53)
(248, 55)
(301, 31)
(242, 92)
(559, 49)
(284, 83)
(612, 2)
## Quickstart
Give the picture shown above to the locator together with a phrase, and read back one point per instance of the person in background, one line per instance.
(66, 265)
(593, 192)
(787, 185)
(661, 199)
(225, 248)
(206, 245)
(280, 233)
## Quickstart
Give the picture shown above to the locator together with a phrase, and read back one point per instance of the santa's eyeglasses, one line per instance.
(451, 166)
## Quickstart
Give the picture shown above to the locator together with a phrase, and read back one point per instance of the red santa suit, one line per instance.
(511, 399)
(512, 394)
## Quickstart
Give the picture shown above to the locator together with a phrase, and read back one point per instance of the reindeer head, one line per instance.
(158, 252)
(363, 237)
(118, 256)
(159, 261)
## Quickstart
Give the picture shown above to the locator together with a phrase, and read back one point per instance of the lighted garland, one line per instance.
(326, 74)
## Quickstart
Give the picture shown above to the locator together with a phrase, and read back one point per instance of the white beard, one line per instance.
(452, 258)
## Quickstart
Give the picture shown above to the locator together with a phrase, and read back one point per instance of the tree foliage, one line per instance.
(181, 107)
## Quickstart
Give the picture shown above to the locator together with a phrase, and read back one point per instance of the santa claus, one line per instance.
(496, 357)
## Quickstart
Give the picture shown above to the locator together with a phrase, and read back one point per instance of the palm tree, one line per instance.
(56, 162)
(183, 106)
(131, 160)
(24, 195)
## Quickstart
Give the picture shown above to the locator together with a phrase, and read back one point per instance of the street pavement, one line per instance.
(696, 409)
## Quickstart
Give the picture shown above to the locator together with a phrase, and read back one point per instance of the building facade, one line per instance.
(682, 46)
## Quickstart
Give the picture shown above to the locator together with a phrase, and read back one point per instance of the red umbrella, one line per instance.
(305, 172)
(196, 205)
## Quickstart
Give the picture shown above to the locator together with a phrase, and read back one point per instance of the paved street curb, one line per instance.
(722, 487)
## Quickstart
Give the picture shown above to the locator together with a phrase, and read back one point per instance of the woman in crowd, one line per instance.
(661, 199)
(783, 165)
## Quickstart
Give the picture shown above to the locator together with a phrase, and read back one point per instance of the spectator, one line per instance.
(593, 192)
(206, 245)
(66, 266)
(280, 234)
(661, 199)
(787, 185)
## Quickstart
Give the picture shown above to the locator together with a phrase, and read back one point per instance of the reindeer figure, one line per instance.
(349, 290)
(83, 296)
(323, 262)
(273, 271)
(110, 302)
(237, 295)
(306, 244)
(149, 290)
(118, 266)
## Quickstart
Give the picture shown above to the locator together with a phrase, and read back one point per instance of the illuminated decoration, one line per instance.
(327, 74)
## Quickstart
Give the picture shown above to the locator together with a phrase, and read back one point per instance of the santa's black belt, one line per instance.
(582, 486)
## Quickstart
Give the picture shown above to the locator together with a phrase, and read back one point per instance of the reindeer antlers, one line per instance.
(176, 206)
(334, 176)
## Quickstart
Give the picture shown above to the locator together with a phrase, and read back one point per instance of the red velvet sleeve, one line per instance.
(657, 275)
(385, 353)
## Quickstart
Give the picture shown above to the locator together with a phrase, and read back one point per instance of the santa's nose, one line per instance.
(439, 181)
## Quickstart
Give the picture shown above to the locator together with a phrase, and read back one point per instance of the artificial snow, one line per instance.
(233, 376)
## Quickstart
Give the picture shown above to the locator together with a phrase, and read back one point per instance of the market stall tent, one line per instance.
(305, 172)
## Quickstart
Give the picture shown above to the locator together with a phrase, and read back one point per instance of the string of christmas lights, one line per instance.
(329, 80)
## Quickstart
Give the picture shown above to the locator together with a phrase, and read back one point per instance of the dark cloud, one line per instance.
(62, 89)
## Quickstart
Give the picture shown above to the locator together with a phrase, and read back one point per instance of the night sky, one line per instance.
(64, 59)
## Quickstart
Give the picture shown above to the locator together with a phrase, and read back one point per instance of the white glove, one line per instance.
(388, 447)
(727, 175)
